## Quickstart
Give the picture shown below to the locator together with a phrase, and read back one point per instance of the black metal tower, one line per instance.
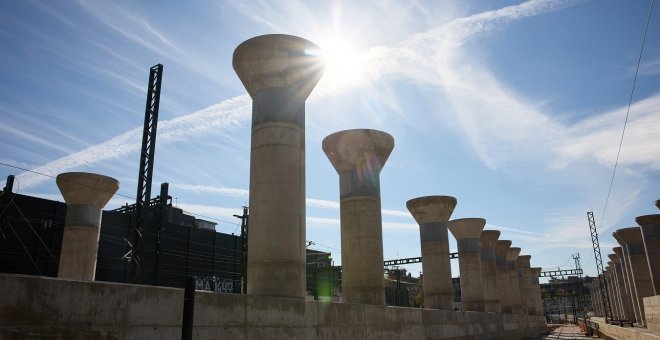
(244, 247)
(146, 170)
(602, 284)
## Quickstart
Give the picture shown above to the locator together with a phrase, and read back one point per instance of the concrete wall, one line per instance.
(652, 311)
(607, 331)
(40, 307)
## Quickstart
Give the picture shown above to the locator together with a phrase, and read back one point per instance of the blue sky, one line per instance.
(514, 108)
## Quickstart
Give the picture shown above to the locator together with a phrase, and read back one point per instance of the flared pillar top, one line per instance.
(429, 209)
(466, 228)
(512, 254)
(648, 220)
(618, 251)
(358, 149)
(502, 246)
(613, 257)
(87, 188)
(523, 261)
(278, 61)
(628, 236)
(489, 238)
(536, 272)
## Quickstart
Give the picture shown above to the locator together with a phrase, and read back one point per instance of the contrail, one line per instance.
(234, 111)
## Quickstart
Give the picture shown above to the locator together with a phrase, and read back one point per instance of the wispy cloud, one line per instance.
(227, 114)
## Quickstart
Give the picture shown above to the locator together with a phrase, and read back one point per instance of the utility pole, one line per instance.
(244, 237)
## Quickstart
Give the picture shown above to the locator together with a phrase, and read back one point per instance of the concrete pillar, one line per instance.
(279, 74)
(594, 298)
(637, 309)
(650, 227)
(611, 289)
(501, 249)
(633, 246)
(85, 195)
(487, 242)
(358, 156)
(525, 281)
(537, 299)
(632, 302)
(467, 232)
(432, 214)
(623, 299)
(514, 282)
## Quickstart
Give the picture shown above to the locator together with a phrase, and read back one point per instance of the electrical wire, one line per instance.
(625, 123)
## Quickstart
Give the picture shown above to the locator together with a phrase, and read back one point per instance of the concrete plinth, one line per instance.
(650, 227)
(85, 195)
(467, 232)
(633, 246)
(514, 283)
(488, 242)
(630, 293)
(525, 281)
(537, 299)
(501, 249)
(432, 214)
(358, 156)
(279, 73)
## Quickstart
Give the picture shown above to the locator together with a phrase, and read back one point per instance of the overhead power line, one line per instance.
(625, 123)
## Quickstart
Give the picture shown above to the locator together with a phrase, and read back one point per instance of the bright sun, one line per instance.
(342, 63)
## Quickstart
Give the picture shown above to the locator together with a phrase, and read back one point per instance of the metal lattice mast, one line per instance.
(602, 284)
(244, 247)
(146, 168)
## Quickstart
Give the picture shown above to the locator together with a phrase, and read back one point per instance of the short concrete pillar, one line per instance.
(514, 282)
(633, 246)
(358, 156)
(621, 293)
(501, 248)
(467, 232)
(432, 214)
(630, 293)
(279, 74)
(650, 227)
(85, 195)
(525, 282)
(537, 299)
(487, 242)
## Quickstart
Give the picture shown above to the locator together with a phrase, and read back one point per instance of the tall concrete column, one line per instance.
(501, 249)
(432, 214)
(594, 301)
(514, 282)
(525, 282)
(611, 289)
(467, 232)
(279, 74)
(487, 242)
(621, 288)
(650, 227)
(633, 245)
(631, 301)
(637, 309)
(358, 156)
(85, 195)
(537, 299)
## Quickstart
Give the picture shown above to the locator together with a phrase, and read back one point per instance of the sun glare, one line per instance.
(342, 63)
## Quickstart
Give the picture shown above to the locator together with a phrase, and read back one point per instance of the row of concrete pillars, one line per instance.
(494, 278)
(279, 72)
(633, 271)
